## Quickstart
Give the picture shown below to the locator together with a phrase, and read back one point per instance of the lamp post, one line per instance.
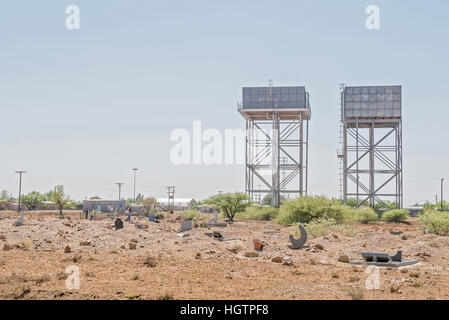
(135, 171)
(442, 180)
(20, 172)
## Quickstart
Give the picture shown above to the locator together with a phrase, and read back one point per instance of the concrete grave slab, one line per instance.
(217, 236)
(391, 264)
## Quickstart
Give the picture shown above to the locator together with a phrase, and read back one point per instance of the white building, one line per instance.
(180, 203)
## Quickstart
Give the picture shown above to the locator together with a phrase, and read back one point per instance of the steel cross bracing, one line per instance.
(381, 153)
(267, 142)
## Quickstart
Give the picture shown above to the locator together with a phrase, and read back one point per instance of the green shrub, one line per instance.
(396, 215)
(191, 214)
(361, 215)
(436, 221)
(322, 227)
(306, 209)
(259, 213)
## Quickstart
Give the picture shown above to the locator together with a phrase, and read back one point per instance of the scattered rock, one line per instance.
(343, 258)
(318, 246)
(258, 245)
(277, 259)
(423, 255)
(404, 238)
(288, 263)
(251, 254)
(132, 245)
(67, 249)
(6, 247)
(395, 288)
(324, 262)
(2, 237)
(84, 243)
(198, 255)
(216, 234)
(27, 243)
(150, 262)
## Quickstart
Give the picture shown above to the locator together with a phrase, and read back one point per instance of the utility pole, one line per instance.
(120, 185)
(442, 180)
(20, 172)
(171, 198)
(135, 171)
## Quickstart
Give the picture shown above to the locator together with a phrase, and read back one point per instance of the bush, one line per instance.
(322, 227)
(306, 209)
(396, 215)
(361, 215)
(436, 221)
(259, 213)
(191, 214)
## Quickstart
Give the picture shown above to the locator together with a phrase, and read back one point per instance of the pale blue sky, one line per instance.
(82, 108)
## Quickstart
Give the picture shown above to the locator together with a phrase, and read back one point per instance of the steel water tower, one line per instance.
(277, 123)
(371, 151)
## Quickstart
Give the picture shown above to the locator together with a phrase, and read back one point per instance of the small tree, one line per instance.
(149, 205)
(139, 198)
(4, 198)
(229, 203)
(32, 200)
(60, 198)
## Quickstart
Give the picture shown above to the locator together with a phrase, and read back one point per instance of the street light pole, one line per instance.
(135, 171)
(442, 180)
(20, 172)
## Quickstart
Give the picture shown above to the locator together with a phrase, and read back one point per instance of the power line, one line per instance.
(120, 185)
(20, 172)
(171, 198)
(135, 171)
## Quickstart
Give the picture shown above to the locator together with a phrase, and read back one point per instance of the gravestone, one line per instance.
(118, 224)
(214, 219)
(299, 243)
(186, 225)
(19, 222)
(214, 222)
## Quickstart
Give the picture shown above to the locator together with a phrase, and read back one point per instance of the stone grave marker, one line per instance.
(118, 224)
(19, 222)
(186, 225)
(299, 243)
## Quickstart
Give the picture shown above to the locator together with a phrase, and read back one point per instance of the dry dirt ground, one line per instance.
(163, 265)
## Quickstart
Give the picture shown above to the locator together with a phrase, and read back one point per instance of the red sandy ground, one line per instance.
(199, 267)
